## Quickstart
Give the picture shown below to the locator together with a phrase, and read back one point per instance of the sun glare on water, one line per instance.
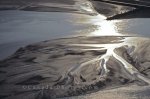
(105, 28)
(99, 25)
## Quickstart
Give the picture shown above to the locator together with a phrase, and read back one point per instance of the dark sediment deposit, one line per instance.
(122, 9)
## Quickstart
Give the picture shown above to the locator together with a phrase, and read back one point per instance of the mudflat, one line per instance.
(76, 66)
(111, 67)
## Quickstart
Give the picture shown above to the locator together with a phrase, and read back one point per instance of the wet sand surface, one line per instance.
(101, 58)
(77, 66)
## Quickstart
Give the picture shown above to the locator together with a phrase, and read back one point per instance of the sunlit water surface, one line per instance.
(20, 28)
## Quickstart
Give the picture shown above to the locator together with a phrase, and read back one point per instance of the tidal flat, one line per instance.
(74, 49)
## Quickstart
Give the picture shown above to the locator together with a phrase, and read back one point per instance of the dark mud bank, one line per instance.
(122, 9)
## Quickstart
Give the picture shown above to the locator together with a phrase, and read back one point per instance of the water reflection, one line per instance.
(105, 27)
(99, 26)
